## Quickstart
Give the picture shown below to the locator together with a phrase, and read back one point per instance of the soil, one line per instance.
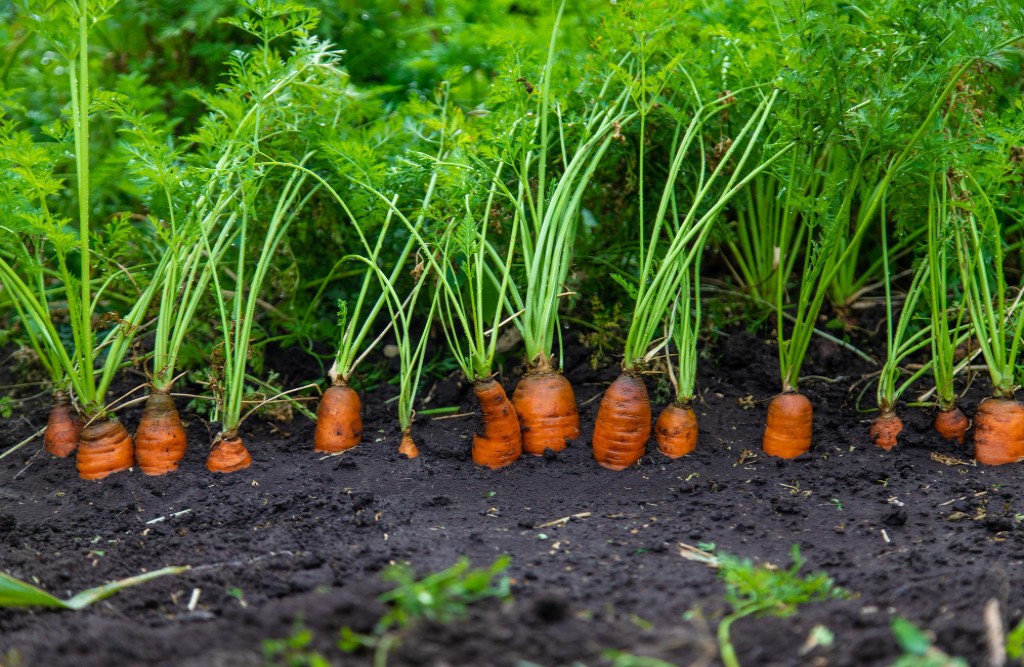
(909, 533)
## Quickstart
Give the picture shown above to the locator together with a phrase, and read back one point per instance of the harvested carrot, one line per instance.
(408, 445)
(952, 424)
(886, 429)
(501, 442)
(160, 438)
(104, 448)
(546, 406)
(228, 455)
(623, 424)
(999, 431)
(339, 421)
(676, 430)
(789, 427)
(62, 426)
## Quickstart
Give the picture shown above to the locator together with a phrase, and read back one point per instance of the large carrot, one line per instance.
(62, 427)
(885, 430)
(623, 424)
(104, 448)
(676, 430)
(546, 406)
(160, 438)
(501, 442)
(228, 455)
(790, 424)
(339, 422)
(999, 432)
(952, 424)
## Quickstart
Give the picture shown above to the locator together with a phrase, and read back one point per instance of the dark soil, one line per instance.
(298, 535)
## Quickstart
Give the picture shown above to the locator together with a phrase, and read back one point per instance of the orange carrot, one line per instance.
(676, 430)
(999, 431)
(408, 445)
(62, 426)
(547, 411)
(104, 448)
(501, 442)
(160, 438)
(339, 422)
(623, 424)
(789, 427)
(952, 424)
(885, 430)
(228, 455)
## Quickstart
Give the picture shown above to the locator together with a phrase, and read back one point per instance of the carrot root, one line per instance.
(885, 430)
(104, 448)
(789, 426)
(339, 422)
(501, 443)
(999, 432)
(623, 424)
(63, 426)
(952, 424)
(160, 439)
(676, 430)
(408, 445)
(546, 406)
(228, 455)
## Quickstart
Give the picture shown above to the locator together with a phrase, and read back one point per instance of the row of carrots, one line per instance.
(541, 415)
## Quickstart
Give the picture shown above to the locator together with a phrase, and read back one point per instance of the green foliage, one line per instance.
(917, 647)
(17, 593)
(294, 650)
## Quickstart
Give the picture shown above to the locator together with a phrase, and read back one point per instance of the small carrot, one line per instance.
(160, 438)
(339, 421)
(104, 448)
(408, 445)
(676, 430)
(501, 442)
(62, 426)
(952, 424)
(228, 455)
(999, 431)
(546, 406)
(790, 425)
(885, 430)
(623, 424)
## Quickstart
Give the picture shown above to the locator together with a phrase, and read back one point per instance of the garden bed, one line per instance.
(909, 533)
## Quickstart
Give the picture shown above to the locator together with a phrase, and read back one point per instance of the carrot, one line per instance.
(408, 445)
(885, 430)
(160, 438)
(62, 426)
(676, 430)
(999, 431)
(790, 423)
(339, 422)
(501, 442)
(546, 406)
(623, 424)
(228, 455)
(104, 448)
(952, 424)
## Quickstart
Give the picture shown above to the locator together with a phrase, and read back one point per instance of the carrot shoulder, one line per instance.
(789, 427)
(62, 426)
(228, 455)
(952, 424)
(546, 406)
(104, 448)
(408, 445)
(676, 430)
(999, 431)
(500, 443)
(623, 424)
(885, 430)
(339, 422)
(160, 439)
